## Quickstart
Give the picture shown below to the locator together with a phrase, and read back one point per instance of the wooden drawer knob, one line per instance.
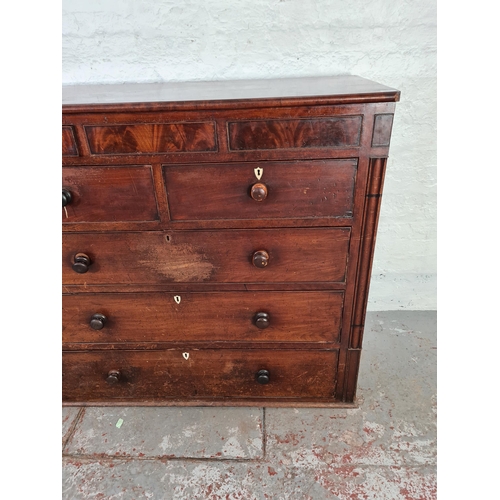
(81, 263)
(113, 377)
(260, 258)
(258, 191)
(66, 197)
(262, 377)
(98, 321)
(261, 320)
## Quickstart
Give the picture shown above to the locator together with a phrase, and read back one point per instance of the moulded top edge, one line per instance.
(342, 89)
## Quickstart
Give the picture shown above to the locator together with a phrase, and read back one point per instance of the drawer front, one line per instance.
(151, 138)
(203, 317)
(294, 255)
(332, 132)
(290, 190)
(205, 374)
(109, 194)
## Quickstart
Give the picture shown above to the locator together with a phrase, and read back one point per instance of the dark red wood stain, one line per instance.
(68, 142)
(107, 194)
(382, 130)
(151, 138)
(222, 191)
(213, 374)
(284, 134)
(295, 255)
(218, 240)
(224, 317)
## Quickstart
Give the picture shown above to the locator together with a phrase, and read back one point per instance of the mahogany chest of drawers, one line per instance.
(218, 239)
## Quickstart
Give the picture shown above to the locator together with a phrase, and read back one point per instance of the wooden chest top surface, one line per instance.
(229, 93)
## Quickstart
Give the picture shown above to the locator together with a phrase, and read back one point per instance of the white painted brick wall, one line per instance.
(392, 42)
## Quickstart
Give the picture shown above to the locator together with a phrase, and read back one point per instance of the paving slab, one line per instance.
(69, 415)
(191, 432)
(395, 424)
(383, 450)
(180, 480)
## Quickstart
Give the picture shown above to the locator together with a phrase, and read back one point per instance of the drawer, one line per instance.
(109, 194)
(205, 374)
(151, 138)
(327, 132)
(285, 190)
(231, 256)
(203, 317)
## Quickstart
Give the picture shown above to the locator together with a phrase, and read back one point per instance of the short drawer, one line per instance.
(203, 317)
(229, 256)
(108, 194)
(265, 190)
(142, 376)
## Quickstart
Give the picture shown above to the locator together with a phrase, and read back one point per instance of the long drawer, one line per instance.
(203, 317)
(232, 256)
(198, 374)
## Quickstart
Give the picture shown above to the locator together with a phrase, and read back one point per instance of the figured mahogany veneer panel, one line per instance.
(68, 142)
(294, 189)
(342, 131)
(211, 374)
(295, 255)
(382, 130)
(151, 138)
(108, 194)
(204, 317)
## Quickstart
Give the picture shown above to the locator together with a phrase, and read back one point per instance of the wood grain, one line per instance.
(370, 221)
(382, 129)
(308, 189)
(211, 374)
(198, 226)
(68, 142)
(238, 94)
(208, 256)
(109, 194)
(285, 134)
(151, 138)
(204, 317)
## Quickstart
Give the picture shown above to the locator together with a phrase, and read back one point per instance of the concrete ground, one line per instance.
(383, 450)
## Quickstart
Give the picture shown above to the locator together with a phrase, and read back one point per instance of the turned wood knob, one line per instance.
(98, 321)
(261, 320)
(66, 197)
(81, 263)
(258, 191)
(262, 377)
(260, 258)
(113, 377)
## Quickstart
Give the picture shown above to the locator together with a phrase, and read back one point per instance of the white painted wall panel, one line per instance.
(394, 43)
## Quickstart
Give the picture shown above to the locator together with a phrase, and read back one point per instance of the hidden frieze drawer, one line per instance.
(330, 132)
(218, 239)
(152, 138)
